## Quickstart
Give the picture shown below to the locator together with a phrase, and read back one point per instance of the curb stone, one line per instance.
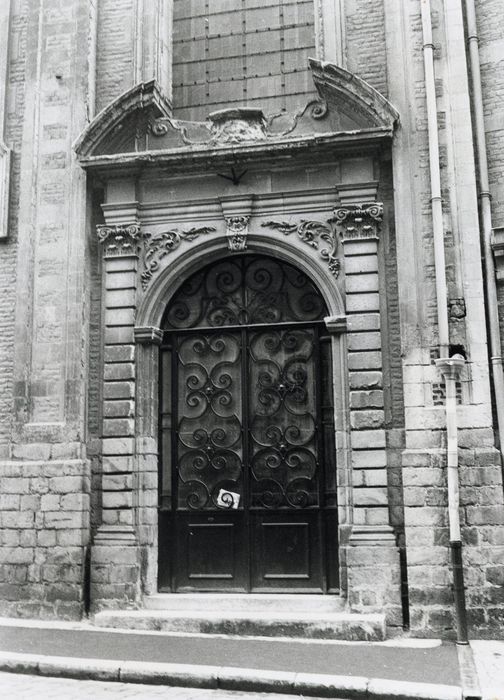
(227, 678)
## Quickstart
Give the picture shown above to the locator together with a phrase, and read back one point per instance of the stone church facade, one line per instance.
(251, 268)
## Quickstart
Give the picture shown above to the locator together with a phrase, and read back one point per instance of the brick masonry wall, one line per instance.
(365, 41)
(8, 248)
(490, 17)
(115, 50)
(44, 526)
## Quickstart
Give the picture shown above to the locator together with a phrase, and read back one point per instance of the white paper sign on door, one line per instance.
(228, 499)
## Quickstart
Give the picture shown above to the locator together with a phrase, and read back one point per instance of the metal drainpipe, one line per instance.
(486, 220)
(450, 367)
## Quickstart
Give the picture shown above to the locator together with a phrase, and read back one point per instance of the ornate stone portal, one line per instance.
(331, 233)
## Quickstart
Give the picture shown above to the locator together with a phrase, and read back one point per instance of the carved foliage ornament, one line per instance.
(359, 221)
(120, 240)
(161, 244)
(312, 233)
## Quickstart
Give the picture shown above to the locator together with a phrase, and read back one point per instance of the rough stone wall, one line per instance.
(8, 248)
(44, 521)
(365, 41)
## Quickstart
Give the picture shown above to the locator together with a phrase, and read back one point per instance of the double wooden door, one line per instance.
(247, 492)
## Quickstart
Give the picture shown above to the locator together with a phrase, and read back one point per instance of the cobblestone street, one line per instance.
(22, 687)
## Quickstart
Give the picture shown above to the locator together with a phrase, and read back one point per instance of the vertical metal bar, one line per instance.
(246, 455)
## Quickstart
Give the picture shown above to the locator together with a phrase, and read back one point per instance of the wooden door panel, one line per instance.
(286, 552)
(210, 552)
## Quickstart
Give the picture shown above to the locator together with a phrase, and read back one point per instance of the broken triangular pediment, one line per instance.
(140, 120)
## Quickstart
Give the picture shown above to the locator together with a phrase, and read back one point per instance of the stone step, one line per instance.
(314, 625)
(245, 602)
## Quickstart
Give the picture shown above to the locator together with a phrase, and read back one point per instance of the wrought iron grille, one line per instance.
(245, 291)
(246, 412)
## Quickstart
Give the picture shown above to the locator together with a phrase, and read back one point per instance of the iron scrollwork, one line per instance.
(209, 429)
(311, 233)
(239, 292)
(277, 413)
(283, 436)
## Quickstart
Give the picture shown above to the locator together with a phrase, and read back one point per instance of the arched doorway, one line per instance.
(247, 460)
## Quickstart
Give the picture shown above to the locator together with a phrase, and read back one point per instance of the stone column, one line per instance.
(372, 555)
(148, 339)
(115, 559)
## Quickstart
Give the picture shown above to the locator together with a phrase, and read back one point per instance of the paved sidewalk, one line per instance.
(489, 660)
(406, 668)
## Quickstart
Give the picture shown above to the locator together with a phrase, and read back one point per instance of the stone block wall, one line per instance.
(482, 519)
(44, 530)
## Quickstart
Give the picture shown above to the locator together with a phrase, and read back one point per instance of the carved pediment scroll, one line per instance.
(159, 245)
(315, 234)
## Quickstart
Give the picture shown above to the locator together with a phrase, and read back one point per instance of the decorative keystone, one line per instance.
(120, 240)
(359, 221)
(147, 335)
(336, 324)
(237, 212)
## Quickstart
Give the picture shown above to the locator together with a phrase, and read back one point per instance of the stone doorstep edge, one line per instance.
(226, 678)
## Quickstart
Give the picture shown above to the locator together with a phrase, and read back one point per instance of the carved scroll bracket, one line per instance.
(237, 212)
(120, 240)
(314, 234)
(359, 221)
(159, 245)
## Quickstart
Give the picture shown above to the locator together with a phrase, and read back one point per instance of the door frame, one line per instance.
(148, 337)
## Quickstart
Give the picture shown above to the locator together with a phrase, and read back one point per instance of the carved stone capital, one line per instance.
(359, 222)
(148, 335)
(120, 240)
(498, 251)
